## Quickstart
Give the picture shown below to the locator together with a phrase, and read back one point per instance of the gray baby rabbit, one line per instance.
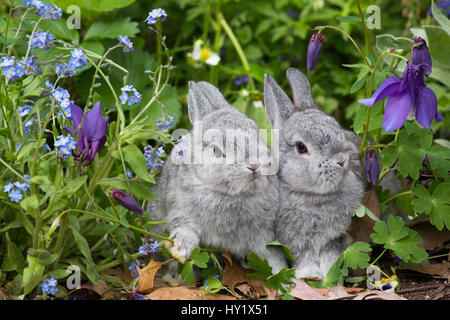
(219, 202)
(319, 177)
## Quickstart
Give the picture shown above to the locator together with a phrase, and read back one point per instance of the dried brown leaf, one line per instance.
(147, 276)
(432, 237)
(361, 228)
(234, 274)
(184, 293)
(101, 287)
(303, 291)
(436, 270)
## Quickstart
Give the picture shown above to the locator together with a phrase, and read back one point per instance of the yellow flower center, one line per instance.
(205, 54)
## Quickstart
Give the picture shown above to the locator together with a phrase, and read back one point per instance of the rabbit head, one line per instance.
(316, 155)
(227, 154)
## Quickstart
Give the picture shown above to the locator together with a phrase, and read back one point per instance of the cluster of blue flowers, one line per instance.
(32, 63)
(25, 110)
(44, 9)
(11, 69)
(65, 145)
(153, 157)
(15, 189)
(43, 40)
(164, 124)
(77, 61)
(125, 42)
(49, 286)
(149, 248)
(28, 125)
(125, 97)
(155, 15)
(62, 96)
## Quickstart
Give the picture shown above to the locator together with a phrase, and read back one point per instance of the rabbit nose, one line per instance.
(253, 167)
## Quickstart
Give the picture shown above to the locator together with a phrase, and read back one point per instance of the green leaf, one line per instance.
(214, 285)
(276, 281)
(32, 274)
(287, 253)
(200, 259)
(408, 153)
(355, 256)
(59, 29)
(84, 249)
(440, 17)
(112, 29)
(14, 256)
(438, 41)
(74, 185)
(188, 273)
(135, 158)
(262, 267)
(437, 206)
(402, 240)
(30, 203)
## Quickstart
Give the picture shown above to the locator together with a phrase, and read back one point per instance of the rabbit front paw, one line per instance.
(184, 242)
(308, 271)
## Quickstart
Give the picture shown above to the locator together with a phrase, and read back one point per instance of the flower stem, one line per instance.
(350, 38)
(237, 46)
(405, 193)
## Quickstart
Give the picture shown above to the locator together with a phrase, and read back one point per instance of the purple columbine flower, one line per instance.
(372, 167)
(407, 96)
(91, 138)
(314, 51)
(421, 55)
(127, 201)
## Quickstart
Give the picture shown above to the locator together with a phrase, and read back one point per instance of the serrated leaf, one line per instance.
(112, 29)
(408, 153)
(276, 281)
(262, 267)
(200, 259)
(356, 255)
(397, 237)
(437, 206)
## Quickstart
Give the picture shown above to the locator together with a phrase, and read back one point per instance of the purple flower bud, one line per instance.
(126, 201)
(314, 51)
(421, 55)
(372, 167)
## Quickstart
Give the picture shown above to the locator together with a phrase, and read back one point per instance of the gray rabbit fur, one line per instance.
(320, 181)
(217, 205)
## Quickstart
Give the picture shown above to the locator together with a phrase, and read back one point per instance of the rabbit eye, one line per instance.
(301, 148)
(218, 153)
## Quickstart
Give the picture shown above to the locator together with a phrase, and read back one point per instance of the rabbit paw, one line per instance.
(307, 272)
(176, 252)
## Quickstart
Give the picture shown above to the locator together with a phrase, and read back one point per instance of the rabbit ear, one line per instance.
(203, 98)
(278, 105)
(300, 90)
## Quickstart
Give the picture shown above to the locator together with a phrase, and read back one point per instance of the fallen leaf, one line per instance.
(432, 237)
(303, 291)
(361, 228)
(184, 293)
(246, 291)
(147, 276)
(437, 270)
(339, 293)
(234, 274)
(101, 287)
